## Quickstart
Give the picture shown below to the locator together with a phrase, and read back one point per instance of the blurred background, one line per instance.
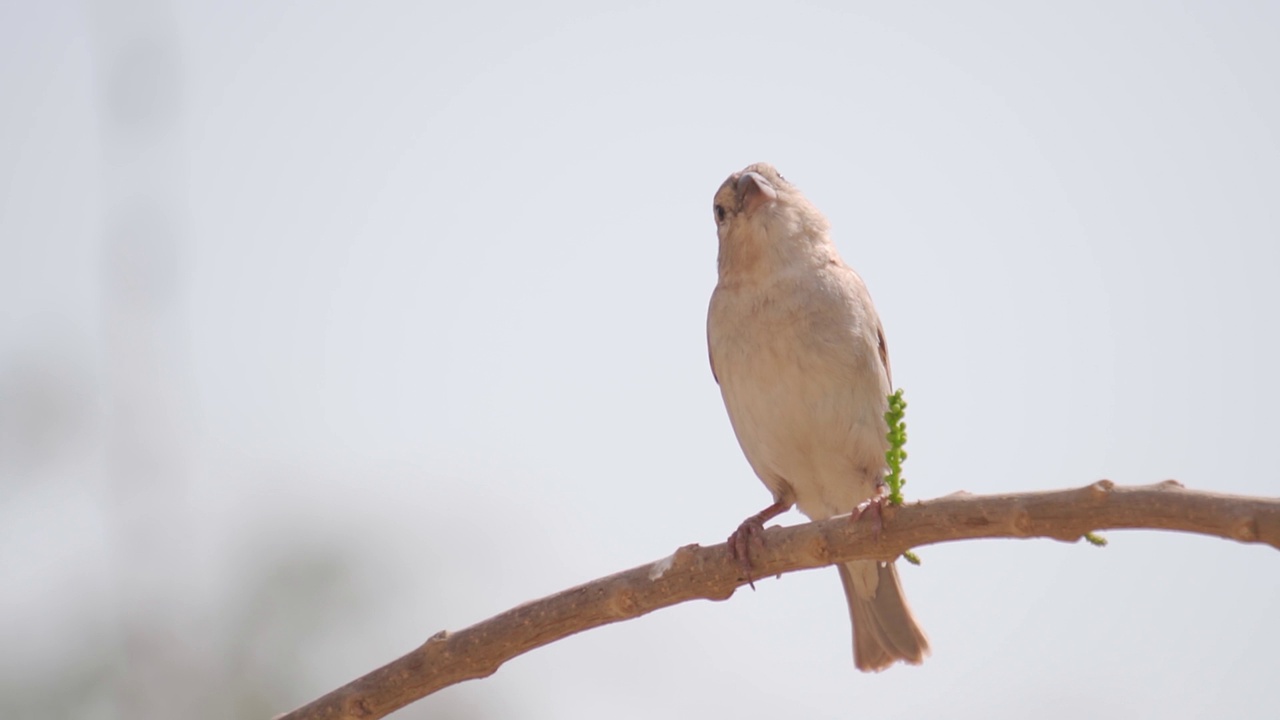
(326, 326)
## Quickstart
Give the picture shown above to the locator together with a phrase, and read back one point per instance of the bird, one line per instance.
(799, 353)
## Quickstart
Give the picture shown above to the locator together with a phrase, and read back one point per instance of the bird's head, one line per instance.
(760, 215)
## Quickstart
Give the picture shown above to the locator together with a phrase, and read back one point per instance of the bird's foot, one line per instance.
(749, 535)
(875, 508)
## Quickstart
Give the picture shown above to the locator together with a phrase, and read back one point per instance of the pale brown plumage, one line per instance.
(803, 368)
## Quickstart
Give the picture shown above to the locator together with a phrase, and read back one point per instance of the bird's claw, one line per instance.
(750, 534)
(871, 506)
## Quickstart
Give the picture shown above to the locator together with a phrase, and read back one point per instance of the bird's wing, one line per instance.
(884, 353)
(712, 359)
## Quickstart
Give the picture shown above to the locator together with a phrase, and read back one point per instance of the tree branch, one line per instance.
(695, 572)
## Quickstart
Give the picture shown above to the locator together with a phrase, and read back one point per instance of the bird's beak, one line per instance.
(755, 190)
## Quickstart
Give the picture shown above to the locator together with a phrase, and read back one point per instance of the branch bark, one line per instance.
(696, 572)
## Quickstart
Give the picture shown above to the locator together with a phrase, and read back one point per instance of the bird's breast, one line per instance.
(800, 375)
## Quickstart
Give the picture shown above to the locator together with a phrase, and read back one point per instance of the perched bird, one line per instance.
(800, 356)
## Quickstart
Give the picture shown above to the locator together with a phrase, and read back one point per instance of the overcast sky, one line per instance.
(430, 280)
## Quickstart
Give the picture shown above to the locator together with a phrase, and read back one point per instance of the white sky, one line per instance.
(440, 293)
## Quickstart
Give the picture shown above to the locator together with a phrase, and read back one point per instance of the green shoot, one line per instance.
(1095, 540)
(897, 441)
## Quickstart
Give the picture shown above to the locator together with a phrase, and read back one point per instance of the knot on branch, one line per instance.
(1101, 489)
(1245, 529)
(1022, 523)
(623, 603)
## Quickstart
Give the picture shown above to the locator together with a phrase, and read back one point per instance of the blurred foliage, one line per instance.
(255, 650)
(240, 665)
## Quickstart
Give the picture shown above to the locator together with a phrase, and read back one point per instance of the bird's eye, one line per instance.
(720, 213)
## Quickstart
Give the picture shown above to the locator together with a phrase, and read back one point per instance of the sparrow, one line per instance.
(800, 356)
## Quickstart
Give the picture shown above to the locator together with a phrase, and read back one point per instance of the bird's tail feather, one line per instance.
(884, 630)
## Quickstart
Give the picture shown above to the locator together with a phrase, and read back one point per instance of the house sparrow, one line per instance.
(800, 356)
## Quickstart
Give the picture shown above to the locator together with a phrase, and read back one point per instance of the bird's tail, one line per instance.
(884, 630)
